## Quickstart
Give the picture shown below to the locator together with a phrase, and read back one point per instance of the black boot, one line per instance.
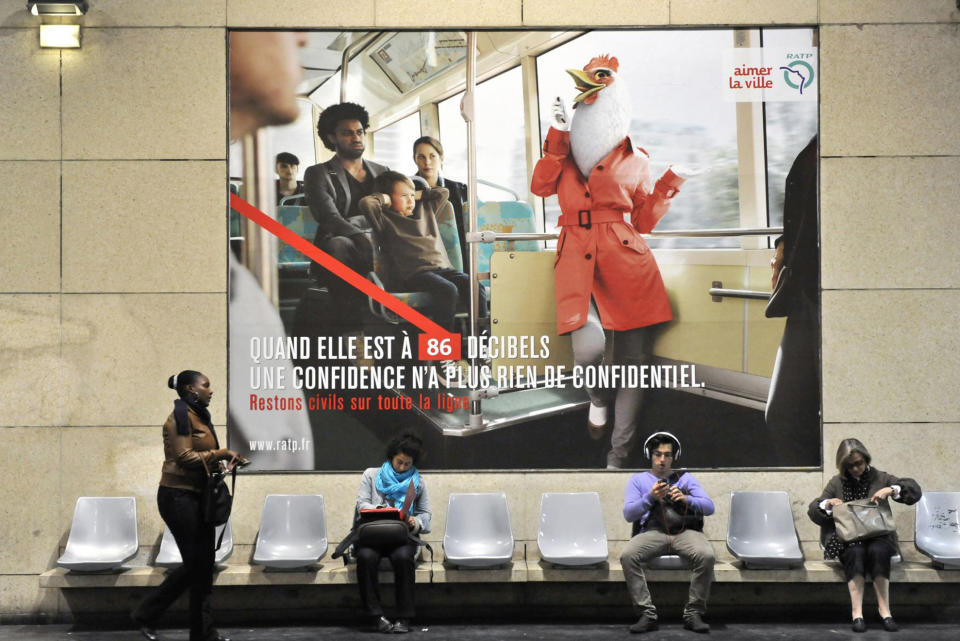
(644, 624)
(696, 623)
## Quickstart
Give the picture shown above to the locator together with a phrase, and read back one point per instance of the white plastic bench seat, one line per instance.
(478, 533)
(668, 562)
(103, 534)
(169, 554)
(293, 531)
(937, 530)
(760, 530)
(571, 529)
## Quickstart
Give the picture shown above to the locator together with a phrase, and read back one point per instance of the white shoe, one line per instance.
(447, 373)
(597, 415)
(596, 421)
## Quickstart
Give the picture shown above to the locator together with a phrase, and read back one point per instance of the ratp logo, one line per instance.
(798, 75)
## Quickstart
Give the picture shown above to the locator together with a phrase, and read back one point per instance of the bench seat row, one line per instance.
(761, 533)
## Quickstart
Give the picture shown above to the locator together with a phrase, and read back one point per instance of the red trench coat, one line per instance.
(608, 260)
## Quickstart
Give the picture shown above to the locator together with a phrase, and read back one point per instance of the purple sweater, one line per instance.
(637, 500)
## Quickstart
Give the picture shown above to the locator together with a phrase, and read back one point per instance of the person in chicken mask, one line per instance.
(606, 278)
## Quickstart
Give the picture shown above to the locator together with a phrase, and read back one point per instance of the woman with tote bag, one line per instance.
(870, 554)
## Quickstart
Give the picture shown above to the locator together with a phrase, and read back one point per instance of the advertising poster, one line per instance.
(575, 251)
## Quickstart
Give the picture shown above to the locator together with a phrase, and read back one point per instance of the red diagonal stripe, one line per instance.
(342, 271)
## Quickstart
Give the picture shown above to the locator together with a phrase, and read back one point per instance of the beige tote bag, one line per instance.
(859, 520)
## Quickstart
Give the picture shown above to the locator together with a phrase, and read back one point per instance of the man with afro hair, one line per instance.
(333, 190)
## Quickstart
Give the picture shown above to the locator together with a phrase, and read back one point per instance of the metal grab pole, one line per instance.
(345, 61)
(467, 111)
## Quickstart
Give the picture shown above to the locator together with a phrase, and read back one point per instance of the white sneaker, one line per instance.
(447, 373)
(596, 421)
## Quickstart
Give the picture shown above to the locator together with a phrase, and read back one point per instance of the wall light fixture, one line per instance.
(42, 8)
(60, 35)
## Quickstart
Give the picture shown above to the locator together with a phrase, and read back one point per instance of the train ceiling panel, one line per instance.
(428, 68)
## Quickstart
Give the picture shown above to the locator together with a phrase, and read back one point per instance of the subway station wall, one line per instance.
(111, 154)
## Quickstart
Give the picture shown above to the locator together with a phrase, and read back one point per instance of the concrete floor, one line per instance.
(480, 631)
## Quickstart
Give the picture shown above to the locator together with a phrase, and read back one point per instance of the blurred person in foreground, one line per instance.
(264, 73)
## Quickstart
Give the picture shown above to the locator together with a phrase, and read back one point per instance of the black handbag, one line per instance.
(216, 500)
(381, 528)
(669, 518)
(382, 533)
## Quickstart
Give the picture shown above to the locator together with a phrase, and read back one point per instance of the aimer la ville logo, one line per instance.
(798, 75)
(769, 74)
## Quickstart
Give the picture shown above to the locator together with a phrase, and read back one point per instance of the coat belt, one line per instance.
(588, 217)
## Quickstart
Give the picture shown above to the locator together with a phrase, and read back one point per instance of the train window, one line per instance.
(296, 138)
(679, 117)
(501, 158)
(393, 144)
(788, 125)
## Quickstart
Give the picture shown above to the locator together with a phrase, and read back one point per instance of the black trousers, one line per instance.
(180, 510)
(446, 286)
(403, 560)
(356, 253)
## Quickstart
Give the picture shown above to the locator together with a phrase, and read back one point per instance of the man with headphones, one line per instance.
(667, 510)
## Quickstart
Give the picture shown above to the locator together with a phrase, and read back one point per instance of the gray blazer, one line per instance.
(369, 498)
(328, 203)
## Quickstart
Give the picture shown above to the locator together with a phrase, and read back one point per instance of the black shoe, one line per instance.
(383, 625)
(148, 633)
(890, 625)
(696, 623)
(859, 625)
(402, 626)
(645, 624)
